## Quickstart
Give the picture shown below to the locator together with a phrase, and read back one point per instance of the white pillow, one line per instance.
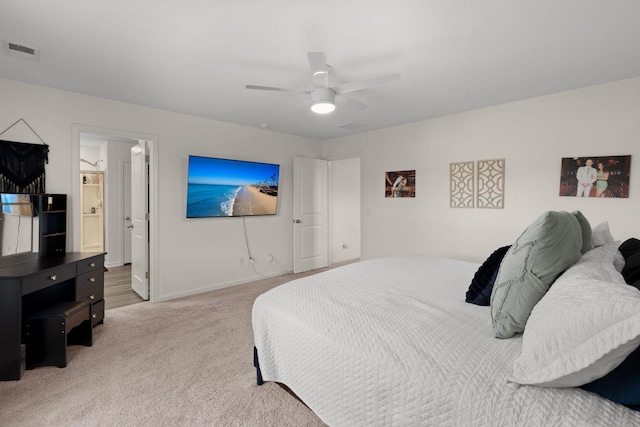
(600, 235)
(583, 328)
(619, 261)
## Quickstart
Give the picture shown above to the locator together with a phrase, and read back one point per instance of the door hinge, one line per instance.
(146, 216)
(146, 275)
(146, 158)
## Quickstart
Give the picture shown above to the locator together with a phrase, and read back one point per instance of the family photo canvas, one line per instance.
(595, 176)
(400, 184)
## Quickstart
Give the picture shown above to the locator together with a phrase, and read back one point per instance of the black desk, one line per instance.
(35, 283)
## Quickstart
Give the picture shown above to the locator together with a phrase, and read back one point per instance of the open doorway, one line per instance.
(111, 150)
(327, 215)
(345, 217)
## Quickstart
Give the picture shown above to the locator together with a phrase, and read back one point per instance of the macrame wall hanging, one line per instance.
(22, 165)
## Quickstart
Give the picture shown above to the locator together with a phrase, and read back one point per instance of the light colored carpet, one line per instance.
(186, 362)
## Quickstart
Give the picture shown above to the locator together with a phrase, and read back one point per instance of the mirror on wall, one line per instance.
(18, 225)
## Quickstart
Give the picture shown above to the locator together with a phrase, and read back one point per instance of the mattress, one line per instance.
(391, 341)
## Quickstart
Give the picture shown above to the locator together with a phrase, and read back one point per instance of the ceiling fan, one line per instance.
(323, 98)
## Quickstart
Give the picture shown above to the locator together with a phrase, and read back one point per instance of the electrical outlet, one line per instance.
(241, 261)
(269, 257)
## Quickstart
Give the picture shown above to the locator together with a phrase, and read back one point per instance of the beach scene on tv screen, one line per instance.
(223, 187)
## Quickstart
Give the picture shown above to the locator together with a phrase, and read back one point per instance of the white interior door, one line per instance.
(139, 221)
(126, 212)
(310, 214)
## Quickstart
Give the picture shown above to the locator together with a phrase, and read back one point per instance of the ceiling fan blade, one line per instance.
(319, 69)
(351, 103)
(276, 89)
(363, 84)
(298, 107)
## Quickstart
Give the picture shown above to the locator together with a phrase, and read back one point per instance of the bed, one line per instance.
(392, 341)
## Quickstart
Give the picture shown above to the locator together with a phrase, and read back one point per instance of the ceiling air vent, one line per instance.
(21, 51)
(352, 125)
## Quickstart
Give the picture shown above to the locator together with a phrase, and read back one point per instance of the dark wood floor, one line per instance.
(117, 288)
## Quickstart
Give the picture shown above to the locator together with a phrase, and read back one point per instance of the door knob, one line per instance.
(130, 226)
(297, 221)
(126, 218)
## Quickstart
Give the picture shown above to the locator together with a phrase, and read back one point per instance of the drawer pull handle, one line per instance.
(92, 297)
(93, 316)
(53, 277)
(93, 264)
(93, 279)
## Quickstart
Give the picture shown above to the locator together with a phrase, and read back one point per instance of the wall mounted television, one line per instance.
(224, 187)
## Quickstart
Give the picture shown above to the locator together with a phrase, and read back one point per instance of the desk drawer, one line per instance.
(90, 293)
(97, 313)
(89, 280)
(89, 264)
(45, 278)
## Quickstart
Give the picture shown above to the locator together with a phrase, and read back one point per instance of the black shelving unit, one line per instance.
(52, 212)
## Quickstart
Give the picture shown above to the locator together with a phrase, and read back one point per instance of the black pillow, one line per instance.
(479, 292)
(622, 385)
(630, 250)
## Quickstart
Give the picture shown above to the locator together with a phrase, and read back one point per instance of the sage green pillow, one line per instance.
(550, 245)
(586, 231)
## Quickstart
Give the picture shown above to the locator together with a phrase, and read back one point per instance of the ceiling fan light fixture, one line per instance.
(323, 107)
(322, 97)
(323, 101)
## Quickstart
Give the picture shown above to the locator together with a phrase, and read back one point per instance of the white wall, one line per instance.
(531, 135)
(201, 254)
(91, 154)
(194, 255)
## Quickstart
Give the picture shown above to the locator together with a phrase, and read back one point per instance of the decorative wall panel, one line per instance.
(461, 184)
(490, 184)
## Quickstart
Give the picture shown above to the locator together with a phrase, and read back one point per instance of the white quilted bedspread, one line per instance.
(391, 342)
